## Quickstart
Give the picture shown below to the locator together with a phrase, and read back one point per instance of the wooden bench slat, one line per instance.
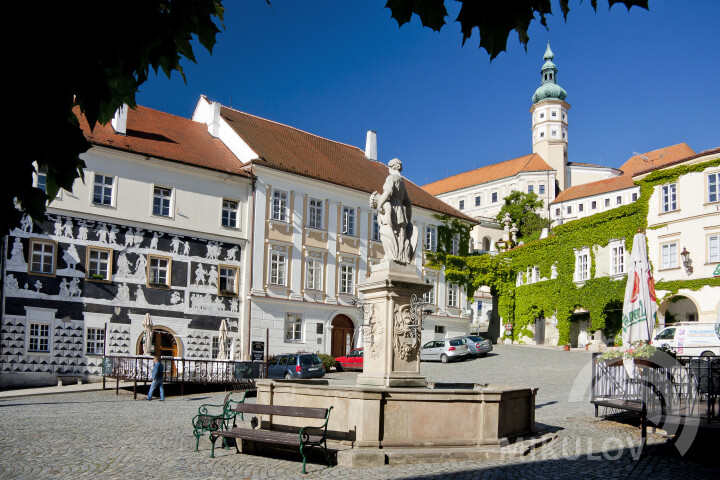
(281, 410)
(268, 436)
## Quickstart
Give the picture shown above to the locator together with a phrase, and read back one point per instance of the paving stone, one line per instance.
(98, 434)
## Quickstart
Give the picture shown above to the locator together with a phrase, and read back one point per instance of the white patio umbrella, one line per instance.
(147, 334)
(222, 341)
(639, 306)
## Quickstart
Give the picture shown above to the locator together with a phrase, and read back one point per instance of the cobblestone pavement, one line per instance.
(93, 434)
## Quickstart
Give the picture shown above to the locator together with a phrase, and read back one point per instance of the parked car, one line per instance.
(444, 350)
(690, 338)
(477, 345)
(353, 361)
(296, 365)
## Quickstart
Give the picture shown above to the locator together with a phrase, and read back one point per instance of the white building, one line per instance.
(684, 239)
(315, 238)
(159, 225)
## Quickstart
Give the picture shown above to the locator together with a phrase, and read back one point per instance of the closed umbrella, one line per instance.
(639, 307)
(147, 333)
(222, 341)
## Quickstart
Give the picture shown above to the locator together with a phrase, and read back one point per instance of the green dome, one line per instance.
(549, 90)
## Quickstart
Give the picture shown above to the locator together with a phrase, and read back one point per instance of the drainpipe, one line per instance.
(247, 355)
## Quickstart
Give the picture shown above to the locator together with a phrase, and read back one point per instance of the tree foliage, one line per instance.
(494, 19)
(522, 208)
(91, 56)
(469, 270)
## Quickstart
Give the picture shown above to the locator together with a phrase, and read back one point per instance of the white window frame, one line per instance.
(453, 298)
(668, 198)
(225, 280)
(230, 214)
(478, 201)
(103, 186)
(617, 258)
(607, 202)
(277, 268)
(44, 256)
(494, 197)
(215, 348)
(431, 238)
(40, 317)
(347, 278)
(669, 255)
(541, 189)
(348, 221)
(375, 232)
(429, 296)
(593, 205)
(162, 199)
(713, 187)
(94, 265)
(313, 273)
(280, 206)
(582, 265)
(461, 205)
(531, 188)
(713, 248)
(155, 267)
(95, 338)
(293, 328)
(38, 333)
(455, 245)
(618, 200)
(315, 213)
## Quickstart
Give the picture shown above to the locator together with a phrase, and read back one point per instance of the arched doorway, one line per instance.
(679, 309)
(163, 341)
(342, 336)
(486, 244)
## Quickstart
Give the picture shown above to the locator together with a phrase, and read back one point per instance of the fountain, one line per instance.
(392, 414)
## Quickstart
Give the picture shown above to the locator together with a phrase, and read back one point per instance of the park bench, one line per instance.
(304, 438)
(215, 417)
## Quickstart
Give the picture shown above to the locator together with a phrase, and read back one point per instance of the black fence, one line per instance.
(662, 389)
(230, 373)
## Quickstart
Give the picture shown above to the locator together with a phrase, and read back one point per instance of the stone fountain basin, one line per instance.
(441, 415)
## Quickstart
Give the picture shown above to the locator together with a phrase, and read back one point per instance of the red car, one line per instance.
(353, 361)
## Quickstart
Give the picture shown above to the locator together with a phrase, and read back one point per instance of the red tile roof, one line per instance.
(508, 168)
(595, 188)
(657, 158)
(165, 136)
(291, 150)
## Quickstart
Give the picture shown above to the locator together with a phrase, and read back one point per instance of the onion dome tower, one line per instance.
(550, 120)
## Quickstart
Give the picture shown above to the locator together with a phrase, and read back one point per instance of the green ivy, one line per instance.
(520, 305)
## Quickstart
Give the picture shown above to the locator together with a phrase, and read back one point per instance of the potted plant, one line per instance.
(566, 347)
(610, 357)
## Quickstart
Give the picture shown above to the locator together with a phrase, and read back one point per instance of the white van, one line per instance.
(690, 338)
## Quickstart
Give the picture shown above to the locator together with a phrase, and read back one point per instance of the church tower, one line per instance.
(550, 120)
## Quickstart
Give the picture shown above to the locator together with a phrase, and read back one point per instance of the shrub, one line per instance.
(328, 361)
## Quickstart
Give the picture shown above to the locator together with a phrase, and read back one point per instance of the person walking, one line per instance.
(157, 378)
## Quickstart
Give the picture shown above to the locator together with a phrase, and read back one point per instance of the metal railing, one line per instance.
(136, 368)
(663, 387)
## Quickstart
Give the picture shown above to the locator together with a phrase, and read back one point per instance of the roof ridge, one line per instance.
(294, 128)
(164, 113)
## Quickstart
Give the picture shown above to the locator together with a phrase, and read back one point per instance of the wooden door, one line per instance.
(342, 336)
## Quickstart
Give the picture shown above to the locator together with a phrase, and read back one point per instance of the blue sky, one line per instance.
(636, 81)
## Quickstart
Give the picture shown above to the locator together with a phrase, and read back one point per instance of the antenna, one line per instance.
(638, 154)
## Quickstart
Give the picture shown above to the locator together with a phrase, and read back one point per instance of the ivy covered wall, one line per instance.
(520, 305)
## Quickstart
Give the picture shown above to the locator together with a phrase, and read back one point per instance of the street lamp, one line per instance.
(686, 260)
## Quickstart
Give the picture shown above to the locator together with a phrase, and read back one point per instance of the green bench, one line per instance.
(215, 417)
(310, 436)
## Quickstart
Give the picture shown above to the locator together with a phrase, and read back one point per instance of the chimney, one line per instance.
(214, 126)
(119, 121)
(371, 145)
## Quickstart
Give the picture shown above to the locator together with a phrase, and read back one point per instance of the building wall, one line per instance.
(561, 212)
(294, 238)
(690, 226)
(70, 301)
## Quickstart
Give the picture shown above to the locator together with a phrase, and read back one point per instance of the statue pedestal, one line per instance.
(392, 342)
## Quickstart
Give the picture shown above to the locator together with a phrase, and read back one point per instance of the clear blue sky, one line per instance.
(636, 81)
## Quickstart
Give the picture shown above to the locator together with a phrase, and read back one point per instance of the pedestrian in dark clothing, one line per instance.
(157, 379)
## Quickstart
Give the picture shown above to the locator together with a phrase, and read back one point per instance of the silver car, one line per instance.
(477, 345)
(444, 350)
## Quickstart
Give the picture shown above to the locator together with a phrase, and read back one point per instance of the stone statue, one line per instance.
(397, 233)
